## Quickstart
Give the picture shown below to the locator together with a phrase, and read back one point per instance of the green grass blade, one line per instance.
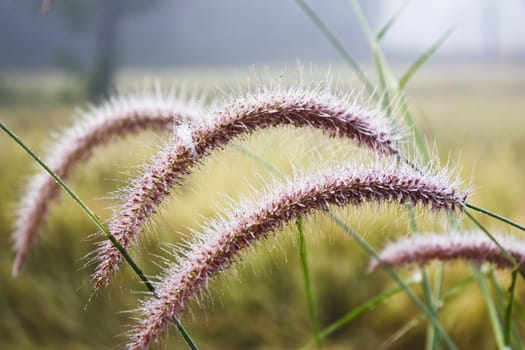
(495, 216)
(371, 251)
(493, 314)
(458, 288)
(387, 344)
(385, 76)
(138, 271)
(389, 82)
(425, 283)
(382, 32)
(423, 58)
(421, 146)
(508, 311)
(312, 311)
(358, 311)
(337, 45)
(433, 341)
(517, 309)
(269, 166)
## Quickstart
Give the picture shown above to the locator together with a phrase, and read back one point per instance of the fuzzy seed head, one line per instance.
(471, 246)
(222, 241)
(237, 118)
(115, 119)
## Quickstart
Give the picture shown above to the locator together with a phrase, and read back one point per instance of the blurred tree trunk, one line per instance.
(101, 78)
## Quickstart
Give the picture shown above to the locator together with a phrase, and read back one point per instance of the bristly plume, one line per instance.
(224, 239)
(420, 249)
(119, 117)
(298, 107)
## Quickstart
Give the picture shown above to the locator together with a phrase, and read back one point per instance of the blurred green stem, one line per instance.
(312, 311)
(338, 46)
(508, 310)
(371, 251)
(493, 314)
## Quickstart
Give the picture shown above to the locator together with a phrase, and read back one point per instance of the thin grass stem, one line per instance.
(390, 22)
(338, 46)
(493, 239)
(495, 216)
(371, 251)
(493, 314)
(312, 311)
(423, 58)
(407, 327)
(354, 313)
(517, 309)
(138, 271)
(508, 311)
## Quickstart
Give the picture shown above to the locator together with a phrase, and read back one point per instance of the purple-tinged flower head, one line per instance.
(241, 116)
(471, 246)
(223, 240)
(119, 117)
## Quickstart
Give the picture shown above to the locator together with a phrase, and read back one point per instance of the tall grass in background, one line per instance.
(388, 94)
(393, 93)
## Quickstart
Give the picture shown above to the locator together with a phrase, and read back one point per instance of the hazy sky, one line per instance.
(501, 22)
(244, 32)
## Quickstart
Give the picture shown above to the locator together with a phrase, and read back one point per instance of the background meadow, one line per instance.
(471, 115)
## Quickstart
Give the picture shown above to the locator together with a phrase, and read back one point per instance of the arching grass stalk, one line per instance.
(224, 239)
(338, 221)
(383, 69)
(115, 119)
(389, 83)
(98, 223)
(431, 299)
(308, 285)
(420, 249)
(336, 116)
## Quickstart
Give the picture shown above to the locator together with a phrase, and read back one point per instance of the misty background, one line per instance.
(95, 39)
(232, 32)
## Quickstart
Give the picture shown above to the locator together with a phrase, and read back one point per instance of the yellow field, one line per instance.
(472, 117)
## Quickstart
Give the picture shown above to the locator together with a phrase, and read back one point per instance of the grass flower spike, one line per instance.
(224, 239)
(472, 246)
(115, 119)
(241, 116)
